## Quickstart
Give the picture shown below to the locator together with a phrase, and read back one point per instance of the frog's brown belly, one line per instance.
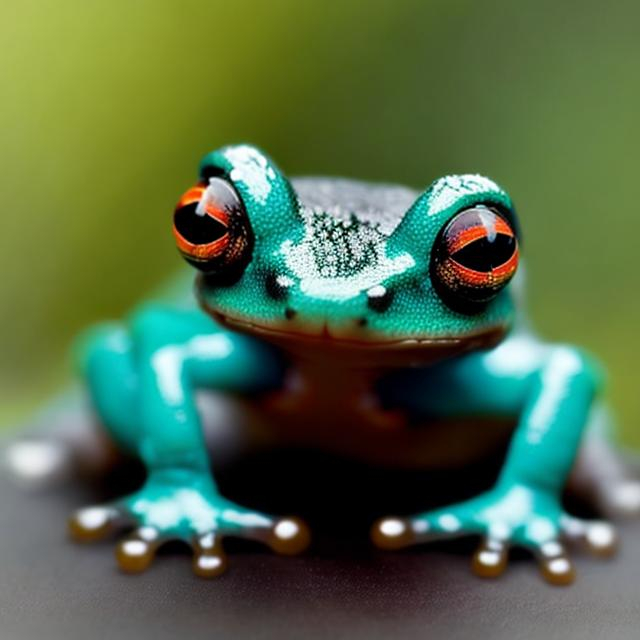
(387, 439)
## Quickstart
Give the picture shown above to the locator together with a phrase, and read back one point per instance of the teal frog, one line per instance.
(368, 320)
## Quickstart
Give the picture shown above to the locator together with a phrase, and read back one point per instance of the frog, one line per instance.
(373, 320)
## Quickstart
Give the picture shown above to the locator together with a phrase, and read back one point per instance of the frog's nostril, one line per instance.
(379, 298)
(362, 322)
(277, 286)
(289, 313)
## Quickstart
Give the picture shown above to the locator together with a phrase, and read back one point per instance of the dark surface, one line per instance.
(50, 587)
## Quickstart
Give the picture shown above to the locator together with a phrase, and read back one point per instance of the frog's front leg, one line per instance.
(143, 384)
(552, 390)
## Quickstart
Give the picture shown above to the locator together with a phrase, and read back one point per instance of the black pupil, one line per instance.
(485, 254)
(195, 228)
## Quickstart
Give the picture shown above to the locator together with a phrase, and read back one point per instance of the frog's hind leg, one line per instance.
(607, 479)
(67, 440)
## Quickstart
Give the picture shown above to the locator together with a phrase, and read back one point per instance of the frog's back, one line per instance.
(381, 206)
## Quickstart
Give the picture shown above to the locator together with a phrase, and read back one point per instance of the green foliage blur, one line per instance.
(106, 108)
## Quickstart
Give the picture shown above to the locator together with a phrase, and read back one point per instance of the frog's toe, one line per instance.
(393, 533)
(491, 558)
(96, 522)
(289, 536)
(598, 537)
(135, 553)
(554, 562)
(286, 536)
(209, 559)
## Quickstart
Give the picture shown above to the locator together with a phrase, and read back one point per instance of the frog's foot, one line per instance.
(202, 518)
(504, 518)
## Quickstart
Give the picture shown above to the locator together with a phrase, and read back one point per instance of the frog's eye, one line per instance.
(212, 229)
(474, 257)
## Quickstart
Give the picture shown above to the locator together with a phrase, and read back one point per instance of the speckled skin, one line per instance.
(352, 350)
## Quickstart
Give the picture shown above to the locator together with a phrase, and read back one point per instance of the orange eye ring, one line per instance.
(474, 258)
(211, 228)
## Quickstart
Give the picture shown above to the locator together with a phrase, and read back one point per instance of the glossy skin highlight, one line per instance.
(346, 300)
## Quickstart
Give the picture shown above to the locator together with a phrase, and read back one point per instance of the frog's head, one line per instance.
(321, 264)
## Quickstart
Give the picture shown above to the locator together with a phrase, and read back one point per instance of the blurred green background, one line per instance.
(106, 108)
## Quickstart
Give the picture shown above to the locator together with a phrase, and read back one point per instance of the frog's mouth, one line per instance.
(324, 340)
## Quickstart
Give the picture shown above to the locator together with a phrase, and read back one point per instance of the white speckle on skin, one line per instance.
(540, 530)
(246, 519)
(377, 292)
(252, 170)
(563, 364)
(148, 534)
(516, 356)
(168, 362)
(285, 281)
(162, 513)
(449, 523)
(301, 261)
(450, 189)
(420, 526)
(207, 541)
(514, 507)
(168, 512)
(499, 530)
(573, 527)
